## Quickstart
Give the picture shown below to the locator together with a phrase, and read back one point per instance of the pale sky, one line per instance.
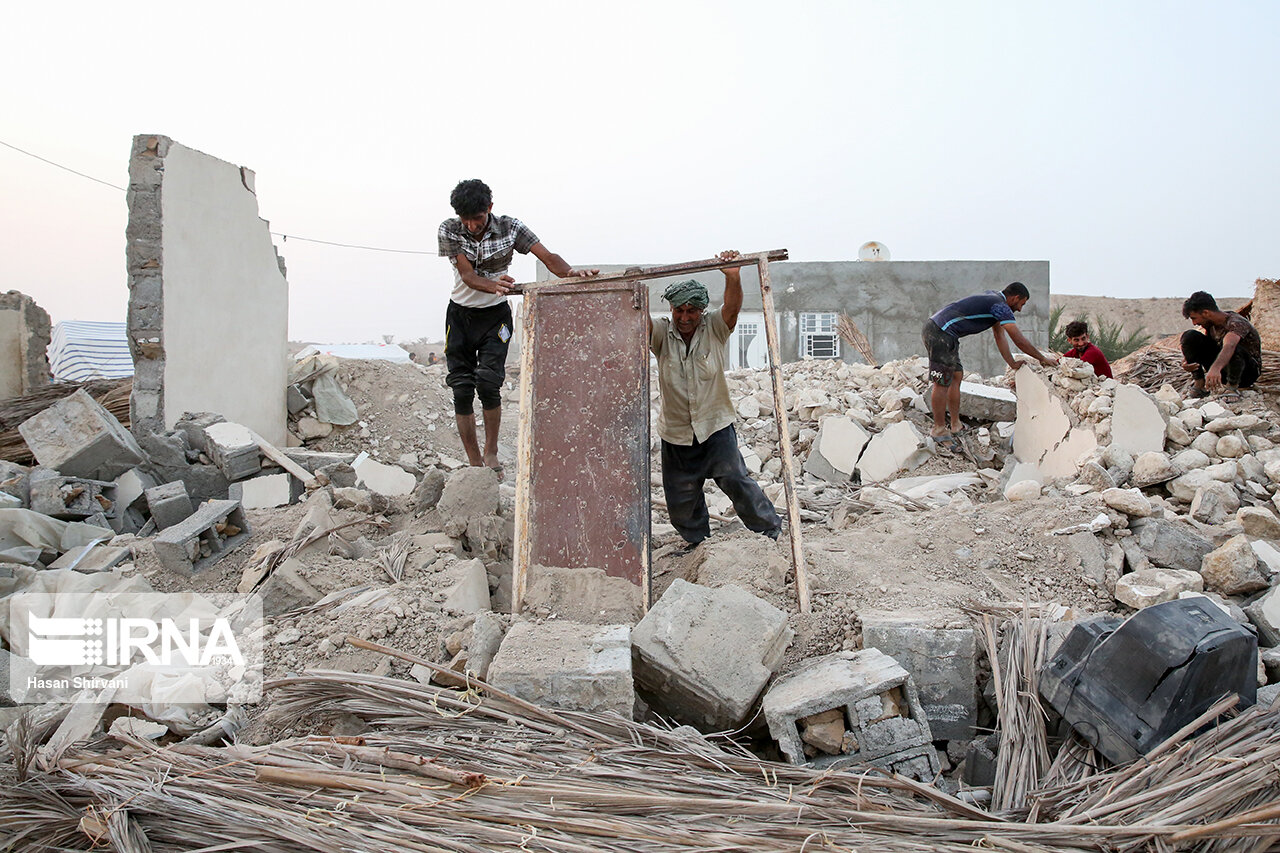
(1133, 145)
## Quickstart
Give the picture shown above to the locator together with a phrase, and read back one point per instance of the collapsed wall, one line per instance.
(24, 343)
(208, 299)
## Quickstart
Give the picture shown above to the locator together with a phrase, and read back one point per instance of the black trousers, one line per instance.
(1199, 348)
(686, 469)
(475, 351)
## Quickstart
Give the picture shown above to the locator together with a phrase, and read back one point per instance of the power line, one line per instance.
(60, 166)
(285, 237)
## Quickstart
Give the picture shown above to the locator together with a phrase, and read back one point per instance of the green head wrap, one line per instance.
(687, 293)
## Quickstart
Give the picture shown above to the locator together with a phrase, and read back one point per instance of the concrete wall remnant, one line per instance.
(25, 333)
(208, 299)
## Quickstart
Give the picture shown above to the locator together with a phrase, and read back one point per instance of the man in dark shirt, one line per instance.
(1229, 356)
(478, 322)
(969, 316)
(1082, 348)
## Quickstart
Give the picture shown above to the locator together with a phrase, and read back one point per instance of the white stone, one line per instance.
(1129, 501)
(1184, 488)
(1136, 422)
(1233, 568)
(839, 443)
(1223, 472)
(900, 447)
(309, 428)
(1212, 409)
(1189, 460)
(388, 480)
(1206, 443)
(1268, 556)
(748, 408)
(1152, 467)
(466, 587)
(1146, 587)
(1192, 417)
(1177, 432)
(1232, 446)
(1023, 490)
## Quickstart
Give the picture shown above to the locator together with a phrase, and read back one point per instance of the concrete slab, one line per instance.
(79, 438)
(702, 656)
(388, 480)
(1043, 435)
(941, 663)
(987, 403)
(900, 447)
(266, 492)
(1136, 422)
(568, 666)
(91, 558)
(835, 451)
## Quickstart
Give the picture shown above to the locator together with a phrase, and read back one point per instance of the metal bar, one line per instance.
(524, 462)
(639, 273)
(784, 437)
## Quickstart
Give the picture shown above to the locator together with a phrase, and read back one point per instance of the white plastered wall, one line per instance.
(226, 303)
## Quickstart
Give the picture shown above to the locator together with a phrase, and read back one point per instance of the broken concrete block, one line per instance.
(234, 449)
(267, 491)
(296, 399)
(426, 495)
(568, 666)
(835, 451)
(1151, 468)
(310, 429)
(131, 486)
(1214, 502)
(169, 504)
(70, 498)
(360, 500)
(586, 595)
(91, 558)
(875, 701)
(1259, 522)
(79, 438)
(1265, 615)
(465, 588)
(1129, 501)
(1043, 435)
(987, 403)
(1171, 544)
(389, 480)
(1146, 587)
(702, 656)
(900, 447)
(201, 540)
(1233, 568)
(1136, 423)
(941, 663)
(286, 589)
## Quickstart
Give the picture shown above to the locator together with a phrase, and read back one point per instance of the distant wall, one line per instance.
(208, 299)
(888, 300)
(24, 345)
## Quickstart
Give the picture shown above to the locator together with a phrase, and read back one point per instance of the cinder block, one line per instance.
(568, 666)
(233, 449)
(79, 438)
(702, 656)
(203, 539)
(169, 504)
(286, 589)
(876, 698)
(296, 399)
(942, 665)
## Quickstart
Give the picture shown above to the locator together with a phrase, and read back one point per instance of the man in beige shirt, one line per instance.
(696, 425)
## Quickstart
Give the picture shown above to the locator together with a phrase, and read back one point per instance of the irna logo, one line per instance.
(123, 642)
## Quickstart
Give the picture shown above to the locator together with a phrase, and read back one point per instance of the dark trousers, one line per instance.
(475, 350)
(1199, 348)
(686, 469)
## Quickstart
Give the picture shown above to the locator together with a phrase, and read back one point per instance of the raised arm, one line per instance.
(558, 266)
(732, 291)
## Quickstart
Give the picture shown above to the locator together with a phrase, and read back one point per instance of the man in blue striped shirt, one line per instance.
(969, 316)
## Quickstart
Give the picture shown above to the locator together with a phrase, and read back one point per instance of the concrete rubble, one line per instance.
(1095, 494)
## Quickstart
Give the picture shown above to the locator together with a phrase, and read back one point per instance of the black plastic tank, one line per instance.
(1126, 687)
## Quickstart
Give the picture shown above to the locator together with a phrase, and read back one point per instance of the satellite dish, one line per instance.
(873, 251)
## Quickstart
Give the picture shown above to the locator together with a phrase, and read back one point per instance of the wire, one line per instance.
(285, 237)
(60, 166)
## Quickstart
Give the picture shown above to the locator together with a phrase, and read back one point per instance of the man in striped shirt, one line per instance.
(478, 323)
(969, 316)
